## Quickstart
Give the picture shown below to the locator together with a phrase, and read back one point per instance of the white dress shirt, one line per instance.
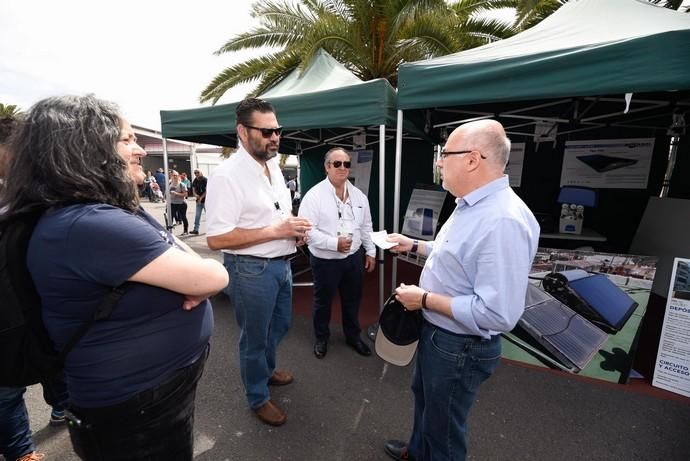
(240, 195)
(322, 206)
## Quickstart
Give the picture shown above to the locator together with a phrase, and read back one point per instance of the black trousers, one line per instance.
(154, 425)
(179, 212)
(345, 276)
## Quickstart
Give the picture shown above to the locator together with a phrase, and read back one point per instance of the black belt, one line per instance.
(274, 258)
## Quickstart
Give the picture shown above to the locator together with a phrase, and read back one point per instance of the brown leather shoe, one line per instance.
(271, 414)
(280, 378)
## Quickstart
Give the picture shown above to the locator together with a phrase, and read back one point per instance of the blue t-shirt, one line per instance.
(76, 254)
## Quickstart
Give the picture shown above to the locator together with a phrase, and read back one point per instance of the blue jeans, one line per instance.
(15, 433)
(345, 276)
(197, 215)
(445, 381)
(154, 425)
(260, 290)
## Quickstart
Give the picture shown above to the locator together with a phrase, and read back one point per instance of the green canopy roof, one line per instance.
(324, 95)
(587, 47)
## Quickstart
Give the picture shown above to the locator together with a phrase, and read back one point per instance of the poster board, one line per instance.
(515, 162)
(422, 214)
(672, 367)
(421, 219)
(360, 173)
(631, 274)
(607, 164)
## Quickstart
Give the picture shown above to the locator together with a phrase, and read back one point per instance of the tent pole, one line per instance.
(396, 194)
(675, 130)
(382, 208)
(168, 215)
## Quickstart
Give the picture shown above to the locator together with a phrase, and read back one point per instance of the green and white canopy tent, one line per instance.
(324, 96)
(325, 104)
(561, 71)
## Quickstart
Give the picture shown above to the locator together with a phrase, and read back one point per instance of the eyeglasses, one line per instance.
(339, 163)
(267, 132)
(446, 153)
(196, 173)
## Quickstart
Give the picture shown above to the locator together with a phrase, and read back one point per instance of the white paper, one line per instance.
(379, 239)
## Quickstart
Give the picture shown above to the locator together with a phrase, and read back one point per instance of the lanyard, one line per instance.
(344, 202)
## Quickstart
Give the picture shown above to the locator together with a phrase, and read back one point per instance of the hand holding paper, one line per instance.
(380, 240)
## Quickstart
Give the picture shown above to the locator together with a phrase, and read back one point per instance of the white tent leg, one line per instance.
(382, 208)
(396, 193)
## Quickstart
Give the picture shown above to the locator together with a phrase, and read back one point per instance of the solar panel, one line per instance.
(568, 336)
(593, 296)
(614, 306)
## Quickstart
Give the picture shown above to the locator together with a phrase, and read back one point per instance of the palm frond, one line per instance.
(244, 72)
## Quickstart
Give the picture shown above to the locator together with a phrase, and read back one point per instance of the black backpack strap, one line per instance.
(103, 311)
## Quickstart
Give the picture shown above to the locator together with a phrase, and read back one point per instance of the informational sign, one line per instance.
(421, 217)
(607, 164)
(360, 173)
(514, 167)
(359, 141)
(672, 368)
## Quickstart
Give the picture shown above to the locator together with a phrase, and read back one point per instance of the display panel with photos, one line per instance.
(582, 312)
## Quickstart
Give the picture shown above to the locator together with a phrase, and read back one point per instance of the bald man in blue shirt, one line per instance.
(472, 288)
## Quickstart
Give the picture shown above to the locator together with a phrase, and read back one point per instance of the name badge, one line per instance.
(346, 228)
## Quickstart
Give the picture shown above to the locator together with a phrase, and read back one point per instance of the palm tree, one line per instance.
(9, 111)
(370, 37)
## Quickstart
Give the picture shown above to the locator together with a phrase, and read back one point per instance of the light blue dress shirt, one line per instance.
(482, 258)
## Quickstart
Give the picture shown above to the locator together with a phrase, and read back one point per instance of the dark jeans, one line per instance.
(449, 369)
(154, 425)
(342, 275)
(15, 433)
(179, 212)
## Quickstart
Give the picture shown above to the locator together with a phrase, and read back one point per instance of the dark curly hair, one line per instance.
(64, 152)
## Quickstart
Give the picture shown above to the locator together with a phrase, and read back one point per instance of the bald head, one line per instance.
(477, 154)
(489, 138)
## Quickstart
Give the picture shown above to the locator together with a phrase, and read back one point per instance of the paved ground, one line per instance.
(344, 407)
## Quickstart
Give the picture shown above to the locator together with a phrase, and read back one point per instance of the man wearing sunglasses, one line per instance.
(248, 216)
(341, 249)
(472, 289)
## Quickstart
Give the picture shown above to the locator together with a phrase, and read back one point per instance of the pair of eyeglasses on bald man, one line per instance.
(339, 163)
(446, 153)
(267, 132)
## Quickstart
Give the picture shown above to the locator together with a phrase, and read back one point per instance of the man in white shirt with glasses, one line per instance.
(340, 248)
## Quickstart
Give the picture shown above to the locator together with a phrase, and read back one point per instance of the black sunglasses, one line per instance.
(446, 153)
(267, 132)
(339, 163)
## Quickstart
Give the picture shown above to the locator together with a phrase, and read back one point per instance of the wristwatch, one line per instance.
(415, 246)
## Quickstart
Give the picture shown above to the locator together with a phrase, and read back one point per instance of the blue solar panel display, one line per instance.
(612, 304)
(568, 336)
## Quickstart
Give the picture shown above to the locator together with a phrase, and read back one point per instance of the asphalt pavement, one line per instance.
(345, 406)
